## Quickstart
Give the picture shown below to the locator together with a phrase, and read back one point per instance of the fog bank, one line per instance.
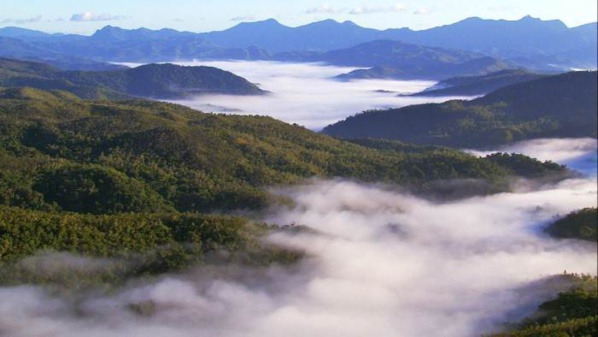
(306, 94)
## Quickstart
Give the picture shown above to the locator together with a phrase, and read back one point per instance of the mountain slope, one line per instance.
(554, 106)
(141, 156)
(153, 80)
(529, 41)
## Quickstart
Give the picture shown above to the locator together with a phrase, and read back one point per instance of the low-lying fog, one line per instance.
(381, 263)
(306, 94)
(579, 153)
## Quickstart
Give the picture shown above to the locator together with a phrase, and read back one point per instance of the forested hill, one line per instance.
(163, 81)
(135, 178)
(554, 106)
(60, 152)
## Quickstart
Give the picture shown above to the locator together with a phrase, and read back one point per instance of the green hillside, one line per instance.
(554, 106)
(65, 158)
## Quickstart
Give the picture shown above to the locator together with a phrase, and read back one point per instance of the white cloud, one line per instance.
(90, 16)
(421, 11)
(306, 94)
(244, 18)
(22, 21)
(374, 10)
(325, 9)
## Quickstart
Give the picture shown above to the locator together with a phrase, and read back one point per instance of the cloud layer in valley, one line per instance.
(577, 153)
(305, 93)
(380, 263)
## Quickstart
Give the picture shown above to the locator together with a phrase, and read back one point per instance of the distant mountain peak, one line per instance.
(266, 23)
(107, 31)
(325, 22)
(270, 21)
(109, 28)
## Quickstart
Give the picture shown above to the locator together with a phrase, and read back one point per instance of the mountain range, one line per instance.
(528, 42)
(400, 60)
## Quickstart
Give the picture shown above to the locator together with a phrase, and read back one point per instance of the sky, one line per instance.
(86, 16)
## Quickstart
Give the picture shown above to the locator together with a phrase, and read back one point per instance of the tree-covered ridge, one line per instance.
(555, 106)
(165, 81)
(62, 153)
(581, 224)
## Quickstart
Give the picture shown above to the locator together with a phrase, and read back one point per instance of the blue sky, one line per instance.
(86, 16)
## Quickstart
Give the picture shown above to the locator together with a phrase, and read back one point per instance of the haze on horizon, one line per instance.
(62, 16)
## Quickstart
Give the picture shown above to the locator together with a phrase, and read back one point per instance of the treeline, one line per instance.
(137, 244)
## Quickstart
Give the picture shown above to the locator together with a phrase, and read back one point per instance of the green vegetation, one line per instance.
(143, 182)
(62, 153)
(581, 224)
(165, 81)
(554, 106)
(137, 244)
(573, 313)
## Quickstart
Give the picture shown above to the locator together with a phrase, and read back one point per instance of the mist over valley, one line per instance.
(307, 94)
